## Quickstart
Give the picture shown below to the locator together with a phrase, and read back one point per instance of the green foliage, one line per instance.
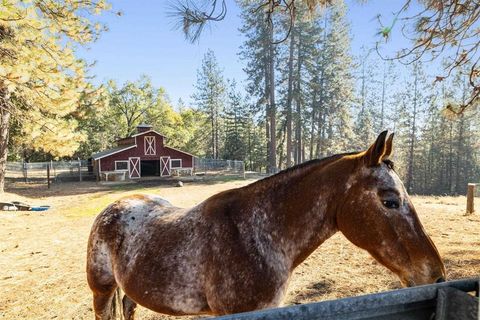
(121, 109)
(236, 120)
(41, 79)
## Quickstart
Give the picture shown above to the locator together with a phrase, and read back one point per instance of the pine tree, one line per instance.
(331, 87)
(236, 112)
(210, 99)
(259, 52)
(340, 80)
(41, 79)
(294, 80)
(364, 126)
(412, 102)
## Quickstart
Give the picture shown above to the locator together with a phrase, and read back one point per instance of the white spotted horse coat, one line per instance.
(235, 251)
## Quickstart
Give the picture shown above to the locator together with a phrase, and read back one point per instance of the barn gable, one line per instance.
(142, 154)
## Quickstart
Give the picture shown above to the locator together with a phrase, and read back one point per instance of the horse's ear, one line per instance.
(375, 153)
(389, 147)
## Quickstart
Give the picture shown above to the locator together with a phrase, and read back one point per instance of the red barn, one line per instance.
(142, 154)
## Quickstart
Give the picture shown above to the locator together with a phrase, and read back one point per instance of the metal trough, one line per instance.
(448, 300)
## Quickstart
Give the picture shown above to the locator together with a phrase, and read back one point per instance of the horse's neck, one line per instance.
(298, 210)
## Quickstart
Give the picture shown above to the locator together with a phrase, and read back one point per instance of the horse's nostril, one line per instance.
(439, 280)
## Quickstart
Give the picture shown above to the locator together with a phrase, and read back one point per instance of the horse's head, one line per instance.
(378, 216)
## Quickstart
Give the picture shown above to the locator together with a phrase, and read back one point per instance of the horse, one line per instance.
(236, 251)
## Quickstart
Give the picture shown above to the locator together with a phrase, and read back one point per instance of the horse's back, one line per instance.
(153, 252)
(116, 225)
(128, 218)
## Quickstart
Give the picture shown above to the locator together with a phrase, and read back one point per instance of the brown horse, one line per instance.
(236, 250)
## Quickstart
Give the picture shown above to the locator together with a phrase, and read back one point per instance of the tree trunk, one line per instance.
(382, 112)
(450, 161)
(320, 123)
(4, 135)
(460, 152)
(216, 135)
(213, 136)
(298, 135)
(267, 116)
(290, 93)
(283, 133)
(298, 113)
(248, 151)
(312, 120)
(411, 152)
(272, 116)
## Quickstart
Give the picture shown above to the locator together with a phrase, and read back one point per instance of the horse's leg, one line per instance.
(128, 308)
(103, 304)
(102, 283)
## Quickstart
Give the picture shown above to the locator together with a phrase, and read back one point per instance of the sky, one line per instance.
(143, 40)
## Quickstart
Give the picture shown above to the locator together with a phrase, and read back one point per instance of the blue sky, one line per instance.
(143, 41)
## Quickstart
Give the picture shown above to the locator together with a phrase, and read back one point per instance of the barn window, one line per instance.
(121, 165)
(149, 146)
(176, 163)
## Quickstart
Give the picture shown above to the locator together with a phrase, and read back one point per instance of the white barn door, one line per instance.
(165, 166)
(134, 167)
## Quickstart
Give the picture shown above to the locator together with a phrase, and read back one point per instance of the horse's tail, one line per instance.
(117, 305)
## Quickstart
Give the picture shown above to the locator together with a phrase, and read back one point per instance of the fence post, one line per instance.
(243, 167)
(25, 171)
(52, 168)
(98, 177)
(80, 169)
(48, 175)
(470, 198)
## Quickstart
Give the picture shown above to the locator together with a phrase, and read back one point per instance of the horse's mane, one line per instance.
(299, 167)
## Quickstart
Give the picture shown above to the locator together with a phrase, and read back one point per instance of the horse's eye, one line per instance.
(391, 204)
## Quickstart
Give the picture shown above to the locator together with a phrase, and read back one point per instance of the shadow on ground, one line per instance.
(314, 291)
(40, 190)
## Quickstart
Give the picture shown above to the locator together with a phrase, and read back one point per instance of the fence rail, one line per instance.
(75, 170)
(442, 301)
(79, 170)
(218, 167)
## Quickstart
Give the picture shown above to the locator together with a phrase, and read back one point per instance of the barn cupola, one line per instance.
(143, 128)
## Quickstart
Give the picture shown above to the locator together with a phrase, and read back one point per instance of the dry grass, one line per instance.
(42, 255)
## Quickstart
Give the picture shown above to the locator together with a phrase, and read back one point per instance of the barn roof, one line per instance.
(171, 148)
(105, 153)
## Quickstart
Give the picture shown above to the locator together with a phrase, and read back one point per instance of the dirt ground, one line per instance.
(42, 255)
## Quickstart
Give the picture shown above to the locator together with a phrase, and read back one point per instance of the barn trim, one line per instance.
(172, 167)
(165, 166)
(149, 145)
(124, 161)
(134, 168)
